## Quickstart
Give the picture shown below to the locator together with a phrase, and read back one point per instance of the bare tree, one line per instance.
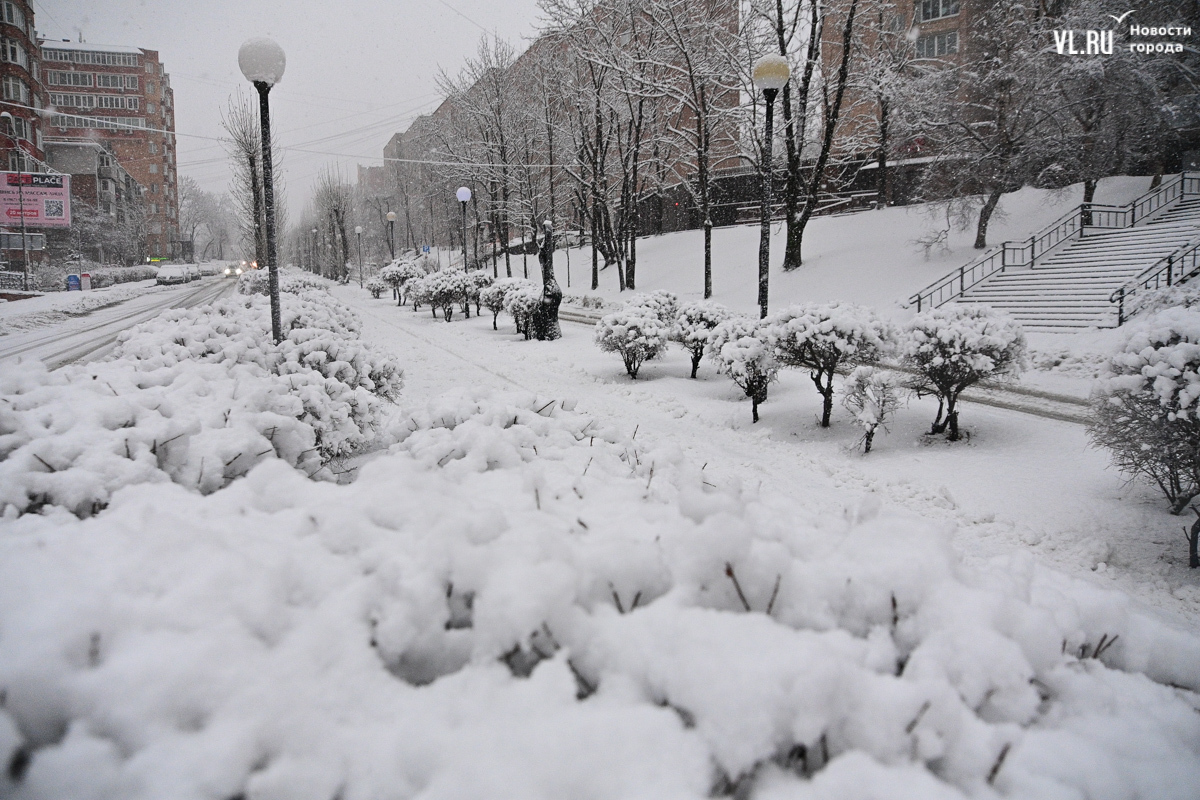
(334, 201)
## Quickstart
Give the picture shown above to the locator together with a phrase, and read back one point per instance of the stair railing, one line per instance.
(1178, 267)
(1070, 226)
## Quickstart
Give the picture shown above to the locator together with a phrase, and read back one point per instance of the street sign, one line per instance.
(12, 241)
(425, 248)
(73, 284)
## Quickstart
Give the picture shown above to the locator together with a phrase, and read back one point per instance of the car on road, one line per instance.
(192, 272)
(171, 274)
(235, 269)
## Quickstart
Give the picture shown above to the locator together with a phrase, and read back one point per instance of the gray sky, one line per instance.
(357, 70)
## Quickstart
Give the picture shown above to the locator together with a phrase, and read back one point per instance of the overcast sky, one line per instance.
(357, 70)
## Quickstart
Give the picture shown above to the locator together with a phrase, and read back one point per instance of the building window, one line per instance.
(154, 188)
(150, 107)
(154, 208)
(90, 57)
(73, 100)
(153, 149)
(936, 9)
(943, 44)
(59, 78)
(149, 88)
(12, 14)
(116, 101)
(131, 81)
(12, 52)
(15, 89)
(107, 123)
(154, 169)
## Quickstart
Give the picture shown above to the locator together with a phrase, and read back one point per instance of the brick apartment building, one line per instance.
(120, 97)
(20, 86)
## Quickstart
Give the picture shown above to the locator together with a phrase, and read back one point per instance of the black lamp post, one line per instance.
(391, 220)
(771, 73)
(358, 233)
(262, 62)
(464, 196)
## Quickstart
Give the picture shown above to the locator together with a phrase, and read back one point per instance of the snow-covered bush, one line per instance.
(254, 281)
(1181, 295)
(109, 276)
(825, 338)
(521, 301)
(398, 274)
(445, 288)
(418, 291)
(298, 282)
(1148, 406)
(950, 349)
(741, 349)
(694, 323)
(661, 303)
(520, 602)
(872, 397)
(584, 300)
(636, 333)
(477, 281)
(376, 286)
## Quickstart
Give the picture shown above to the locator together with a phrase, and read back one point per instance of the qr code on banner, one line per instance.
(54, 209)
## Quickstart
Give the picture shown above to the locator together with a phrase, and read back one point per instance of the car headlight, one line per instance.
(239, 272)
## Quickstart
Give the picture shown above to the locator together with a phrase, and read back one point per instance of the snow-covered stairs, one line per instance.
(1070, 288)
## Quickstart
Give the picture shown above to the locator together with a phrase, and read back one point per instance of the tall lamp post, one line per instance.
(464, 196)
(12, 131)
(358, 233)
(262, 62)
(771, 73)
(391, 218)
(316, 254)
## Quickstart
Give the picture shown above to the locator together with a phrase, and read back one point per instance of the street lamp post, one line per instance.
(262, 62)
(391, 219)
(771, 73)
(12, 130)
(316, 254)
(358, 233)
(464, 196)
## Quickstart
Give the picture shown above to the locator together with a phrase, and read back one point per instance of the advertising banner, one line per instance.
(44, 200)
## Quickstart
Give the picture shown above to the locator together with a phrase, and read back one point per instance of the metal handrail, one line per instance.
(1067, 227)
(1179, 266)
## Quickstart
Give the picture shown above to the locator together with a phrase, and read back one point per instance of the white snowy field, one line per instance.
(558, 582)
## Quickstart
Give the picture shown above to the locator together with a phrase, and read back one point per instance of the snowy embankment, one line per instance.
(53, 309)
(519, 600)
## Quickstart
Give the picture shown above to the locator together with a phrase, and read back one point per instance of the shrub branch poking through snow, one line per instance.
(693, 325)
(824, 339)
(740, 348)
(1148, 406)
(872, 396)
(636, 333)
(956, 346)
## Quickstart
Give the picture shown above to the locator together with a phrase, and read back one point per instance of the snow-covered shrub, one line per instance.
(298, 282)
(741, 349)
(254, 281)
(477, 281)
(636, 333)
(956, 346)
(445, 288)
(661, 303)
(398, 274)
(417, 290)
(584, 300)
(872, 397)
(825, 338)
(1148, 406)
(521, 301)
(694, 323)
(376, 286)
(109, 276)
(492, 299)
(1181, 295)
(431, 628)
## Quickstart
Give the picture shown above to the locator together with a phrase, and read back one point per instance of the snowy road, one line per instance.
(96, 332)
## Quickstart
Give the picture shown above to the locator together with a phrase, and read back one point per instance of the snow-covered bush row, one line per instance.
(254, 281)
(196, 396)
(636, 333)
(295, 281)
(398, 275)
(467, 620)
(825, 338)
(952, 348)
(741, 349)
(1148, 405)
(693, 325)
(584, 300)
(108, 276)
(442, 290)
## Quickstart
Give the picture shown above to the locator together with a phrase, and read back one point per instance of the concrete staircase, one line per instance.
(1065, 277)
(1072, 286)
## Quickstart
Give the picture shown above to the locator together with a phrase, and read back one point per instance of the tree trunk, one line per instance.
(884, 186)
(696, 356)
(985, 214)
(867, 437)
(794, 129)
(952, 418)
(826, 390)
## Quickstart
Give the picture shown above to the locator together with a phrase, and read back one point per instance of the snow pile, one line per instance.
(196, 396)
(517, 603)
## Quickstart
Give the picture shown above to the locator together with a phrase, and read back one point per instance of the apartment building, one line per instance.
(20, 87)
(120, 97)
